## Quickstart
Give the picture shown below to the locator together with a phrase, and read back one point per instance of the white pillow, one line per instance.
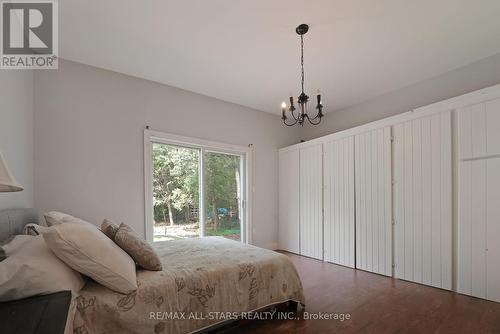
(55, 218)
(32, 269)
(90, 252)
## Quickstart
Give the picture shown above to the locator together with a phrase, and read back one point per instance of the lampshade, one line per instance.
(7, 181)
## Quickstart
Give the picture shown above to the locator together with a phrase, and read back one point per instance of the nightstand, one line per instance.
(35, 315)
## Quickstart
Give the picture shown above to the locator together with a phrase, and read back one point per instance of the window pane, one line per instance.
(175, 192)
(223, 195)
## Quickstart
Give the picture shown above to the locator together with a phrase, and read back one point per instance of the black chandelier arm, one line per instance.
(293, 114)
(318, 115)
(290, 124)
(312, 119)
(296, 119)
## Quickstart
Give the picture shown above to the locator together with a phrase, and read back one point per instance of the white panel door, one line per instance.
(311, 201)
(373, 201)
(288, 230)
(338, 187)
(422, 200)
(493, 230)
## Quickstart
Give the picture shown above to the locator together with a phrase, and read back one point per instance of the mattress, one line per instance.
(204, 281)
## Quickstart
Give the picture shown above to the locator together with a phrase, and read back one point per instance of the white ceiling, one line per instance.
(247, 52)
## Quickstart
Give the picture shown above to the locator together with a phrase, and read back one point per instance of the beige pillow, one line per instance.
(139, 249)
(109, 228)
(56, 218)
(88, 251)
(31, 268)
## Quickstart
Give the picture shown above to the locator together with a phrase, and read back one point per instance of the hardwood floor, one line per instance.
(378, 304)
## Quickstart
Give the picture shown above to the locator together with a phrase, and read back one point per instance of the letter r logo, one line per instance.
(27, 28)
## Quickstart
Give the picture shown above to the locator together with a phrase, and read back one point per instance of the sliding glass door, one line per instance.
(196, 191)
(223, 195)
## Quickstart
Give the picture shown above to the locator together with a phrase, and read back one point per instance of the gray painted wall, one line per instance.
(460, 81)
(16, 134)
(89, 143)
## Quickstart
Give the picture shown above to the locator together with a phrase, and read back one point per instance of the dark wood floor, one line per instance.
(379, 304)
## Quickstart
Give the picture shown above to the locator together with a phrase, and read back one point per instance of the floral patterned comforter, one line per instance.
(202, 278)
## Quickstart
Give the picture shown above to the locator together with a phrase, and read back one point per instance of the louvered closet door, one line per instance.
(338, 181)
(311, 201)
(422, 200)
(373, 201)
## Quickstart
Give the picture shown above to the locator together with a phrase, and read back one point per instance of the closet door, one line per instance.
(338, 187)
(311, 201)
(373, 201)
(288, 230)
(422, 200)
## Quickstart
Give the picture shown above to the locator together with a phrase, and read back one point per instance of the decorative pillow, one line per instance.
(139, 249)
(56, 218)
(109, 228)
(32, 269)
(88, 251)
(34, 229)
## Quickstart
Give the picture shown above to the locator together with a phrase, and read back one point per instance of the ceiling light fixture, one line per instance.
(303, 98)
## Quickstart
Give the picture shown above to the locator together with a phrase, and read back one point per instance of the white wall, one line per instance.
(89, 143)
(472, 77)
(16, 134)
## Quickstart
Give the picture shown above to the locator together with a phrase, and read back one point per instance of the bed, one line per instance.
(205, 282)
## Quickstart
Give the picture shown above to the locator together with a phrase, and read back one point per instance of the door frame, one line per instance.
(246, 152)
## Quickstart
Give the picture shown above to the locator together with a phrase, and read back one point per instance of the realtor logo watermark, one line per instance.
(29, 35)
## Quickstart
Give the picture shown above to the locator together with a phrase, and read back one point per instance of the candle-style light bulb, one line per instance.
(283, 111)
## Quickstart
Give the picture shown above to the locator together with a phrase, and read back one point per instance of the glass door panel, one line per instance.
(176, 189)
(223, 189)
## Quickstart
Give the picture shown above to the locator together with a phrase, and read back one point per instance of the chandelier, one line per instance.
(303, 98)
